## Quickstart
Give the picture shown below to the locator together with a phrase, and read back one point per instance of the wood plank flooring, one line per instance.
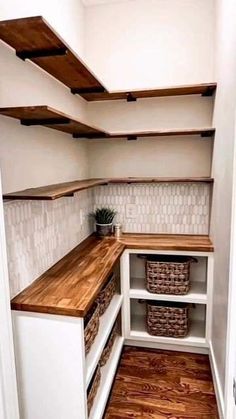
(153, 384)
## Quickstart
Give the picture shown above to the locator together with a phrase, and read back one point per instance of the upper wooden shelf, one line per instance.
(204, 89)
(52, 118)
(71, 286)
(51, 192)
(34, 39)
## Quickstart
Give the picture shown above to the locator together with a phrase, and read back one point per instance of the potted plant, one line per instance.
(104, 218)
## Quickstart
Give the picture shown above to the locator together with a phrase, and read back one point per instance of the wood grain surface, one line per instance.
(71, 286)
(50, 192)
(34, 34)
(51, 118)
(155, 384)
(43, 115)
(192, 89)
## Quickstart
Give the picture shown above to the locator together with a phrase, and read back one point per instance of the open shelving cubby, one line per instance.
(198, 300)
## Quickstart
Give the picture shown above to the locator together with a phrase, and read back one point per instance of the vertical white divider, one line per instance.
(125, 287)
(210, 277)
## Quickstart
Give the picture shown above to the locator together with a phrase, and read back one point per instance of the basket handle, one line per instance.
(193, 260)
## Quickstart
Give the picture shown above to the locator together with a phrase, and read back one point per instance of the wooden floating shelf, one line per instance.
(34, 39)
(52, 118)
(203, 89)
(51, 192)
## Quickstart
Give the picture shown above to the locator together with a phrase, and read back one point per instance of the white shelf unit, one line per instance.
(134, 289)
(50, 354)
(106, 324)
(107, 376)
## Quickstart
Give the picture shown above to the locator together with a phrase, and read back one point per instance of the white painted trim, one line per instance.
(8, 389)
(217, 384)
(230, 368)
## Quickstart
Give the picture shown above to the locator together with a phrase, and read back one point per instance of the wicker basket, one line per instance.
(93, 388)
(167, 319)
(109, 345)
(168, 274)
(106, 294)
(91, 326)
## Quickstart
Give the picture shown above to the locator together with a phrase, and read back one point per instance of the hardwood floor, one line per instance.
(153, 384)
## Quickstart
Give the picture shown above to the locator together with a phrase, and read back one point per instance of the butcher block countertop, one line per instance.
(71, 286)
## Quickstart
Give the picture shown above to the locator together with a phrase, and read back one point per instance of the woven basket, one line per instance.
(109, 345)
(168, 275)
(106, 294)
(93, 388)
(91, 323)
(167, 319)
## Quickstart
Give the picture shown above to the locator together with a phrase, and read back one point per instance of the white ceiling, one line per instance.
(95, 2)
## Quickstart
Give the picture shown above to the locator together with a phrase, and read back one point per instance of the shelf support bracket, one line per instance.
(208, 92)
(132, 137)
(89, 136)
(87, 90)
(41, 53)
(207, 134)
(46, 121)
(130, 97)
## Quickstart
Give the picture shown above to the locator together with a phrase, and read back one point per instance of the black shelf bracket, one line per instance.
(87, 90)
(89, 136)
(41, 53)
(207, 134)
(45, 121)
(132, 137)
(209, 92)
(130, 97)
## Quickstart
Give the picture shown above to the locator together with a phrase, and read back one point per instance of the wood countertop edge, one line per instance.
(126, 243)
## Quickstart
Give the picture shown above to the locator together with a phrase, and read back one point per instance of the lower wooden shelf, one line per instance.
(107, 376)
(106, 323)
(196, 336)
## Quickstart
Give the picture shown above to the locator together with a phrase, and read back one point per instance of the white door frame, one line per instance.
(8, 389)
(230, 372)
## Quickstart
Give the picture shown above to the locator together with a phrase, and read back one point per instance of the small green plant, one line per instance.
(103, 215)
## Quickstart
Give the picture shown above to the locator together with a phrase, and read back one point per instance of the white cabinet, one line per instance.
(53, 372)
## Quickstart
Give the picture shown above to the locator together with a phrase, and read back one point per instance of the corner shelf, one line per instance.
(51, 53)
(34, 38)
(197, 294)
(51, 192)
(51, 118)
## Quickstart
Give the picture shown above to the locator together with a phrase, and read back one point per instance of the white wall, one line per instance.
(224, 120)
(150, 43)
(173, 156)
(35, 156)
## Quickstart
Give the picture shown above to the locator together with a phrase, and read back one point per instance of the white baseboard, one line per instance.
(217, 383)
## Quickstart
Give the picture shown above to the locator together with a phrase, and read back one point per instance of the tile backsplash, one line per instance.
(39, 233)
(172, 208)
